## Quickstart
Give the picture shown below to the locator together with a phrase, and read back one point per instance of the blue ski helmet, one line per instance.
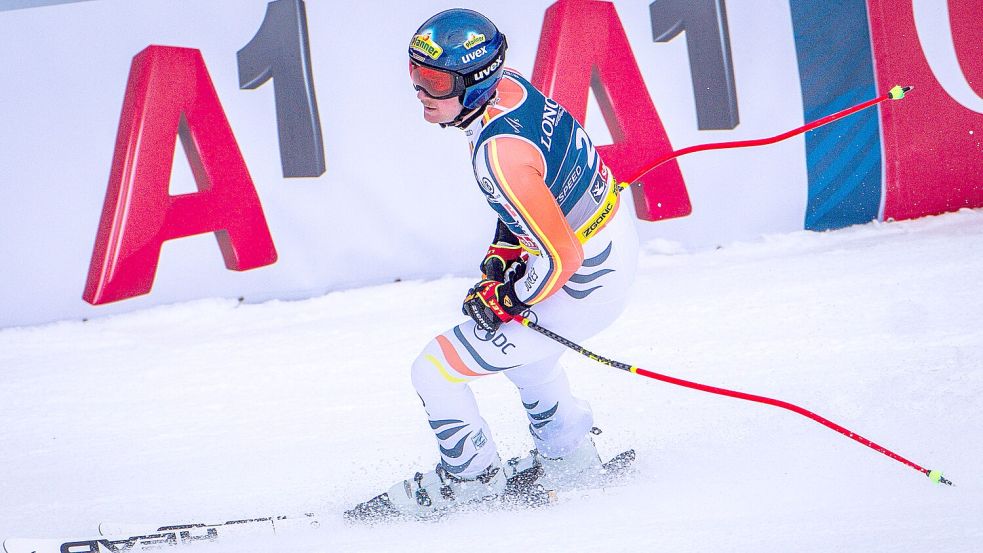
(458, 53)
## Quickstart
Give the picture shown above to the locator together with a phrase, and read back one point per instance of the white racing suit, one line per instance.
(543, 177)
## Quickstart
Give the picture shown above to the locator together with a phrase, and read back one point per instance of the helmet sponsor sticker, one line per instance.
(424, 44)
(473, 40)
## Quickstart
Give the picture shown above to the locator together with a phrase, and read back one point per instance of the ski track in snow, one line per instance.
(213, 410)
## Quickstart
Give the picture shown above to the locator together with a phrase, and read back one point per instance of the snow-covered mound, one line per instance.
(214, 410)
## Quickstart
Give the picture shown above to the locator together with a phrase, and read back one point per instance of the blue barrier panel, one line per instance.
(836, 70)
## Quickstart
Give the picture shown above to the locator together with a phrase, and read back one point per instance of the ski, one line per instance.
(266, 525)
(133, 538)
(522, 491)
(151, 541)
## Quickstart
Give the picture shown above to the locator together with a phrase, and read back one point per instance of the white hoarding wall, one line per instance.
(397, 199)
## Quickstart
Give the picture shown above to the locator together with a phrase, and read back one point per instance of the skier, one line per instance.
(563, 254)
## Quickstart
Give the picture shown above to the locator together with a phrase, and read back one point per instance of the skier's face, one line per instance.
(439, 111)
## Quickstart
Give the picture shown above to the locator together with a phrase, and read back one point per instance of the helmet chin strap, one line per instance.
(466, 117)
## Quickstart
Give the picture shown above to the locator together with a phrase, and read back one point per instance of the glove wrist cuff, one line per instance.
(509, 300)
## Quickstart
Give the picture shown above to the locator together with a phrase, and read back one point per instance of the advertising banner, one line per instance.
(167, 150)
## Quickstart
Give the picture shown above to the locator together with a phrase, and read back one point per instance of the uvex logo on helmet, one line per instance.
(471, 56)
(487, 71)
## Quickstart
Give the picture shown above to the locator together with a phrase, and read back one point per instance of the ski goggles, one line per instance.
(436, 83)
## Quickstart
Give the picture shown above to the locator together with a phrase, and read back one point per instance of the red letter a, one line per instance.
(170, 93)
(583, 44)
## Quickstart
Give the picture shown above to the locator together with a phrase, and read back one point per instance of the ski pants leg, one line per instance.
(590, 301)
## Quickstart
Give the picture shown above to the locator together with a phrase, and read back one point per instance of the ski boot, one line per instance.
(432, 493)
(580, 468)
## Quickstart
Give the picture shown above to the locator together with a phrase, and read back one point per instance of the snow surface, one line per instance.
(214, 410)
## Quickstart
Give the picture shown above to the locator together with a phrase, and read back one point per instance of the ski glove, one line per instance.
(499, 257)
(491, 303)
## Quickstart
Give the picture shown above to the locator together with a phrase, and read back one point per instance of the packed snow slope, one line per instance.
(214, 410)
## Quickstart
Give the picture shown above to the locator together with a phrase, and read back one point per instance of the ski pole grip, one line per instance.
(899, 91)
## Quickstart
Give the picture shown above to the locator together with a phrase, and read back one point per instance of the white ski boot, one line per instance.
(575, 469)
(433, 492)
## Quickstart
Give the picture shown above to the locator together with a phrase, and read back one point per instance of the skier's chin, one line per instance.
(434, 115)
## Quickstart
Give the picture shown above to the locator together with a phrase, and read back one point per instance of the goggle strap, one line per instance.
(471, 79)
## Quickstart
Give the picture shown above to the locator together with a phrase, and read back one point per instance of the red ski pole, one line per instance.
(934, 475)
(896, 93)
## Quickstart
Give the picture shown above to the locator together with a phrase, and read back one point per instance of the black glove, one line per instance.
(498, 259)
(491, 303)
(504, 251)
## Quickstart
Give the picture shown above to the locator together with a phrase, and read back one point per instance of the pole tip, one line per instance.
(936, 476)
(899, 91)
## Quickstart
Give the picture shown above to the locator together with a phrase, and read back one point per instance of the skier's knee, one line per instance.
(425, 372)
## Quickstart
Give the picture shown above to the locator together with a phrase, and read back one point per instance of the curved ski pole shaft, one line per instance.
(934, 475)
(896, 93)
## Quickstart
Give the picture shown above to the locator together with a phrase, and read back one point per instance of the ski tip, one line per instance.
(936, 476)
(106, 529)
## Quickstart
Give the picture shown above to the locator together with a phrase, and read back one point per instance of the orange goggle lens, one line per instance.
(436, 83)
